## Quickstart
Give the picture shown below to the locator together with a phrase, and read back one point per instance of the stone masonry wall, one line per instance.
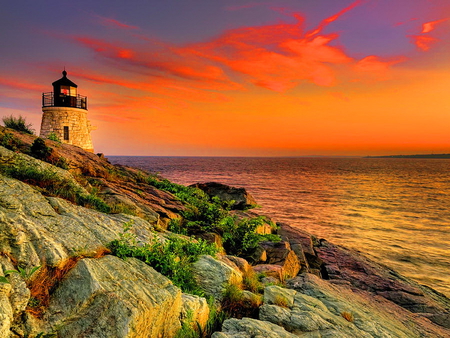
(54, 119)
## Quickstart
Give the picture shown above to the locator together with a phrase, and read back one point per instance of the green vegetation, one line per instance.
(239, 235)
(54, 137)
(9, 141)
(189, 329)
(18, 123)
(212, 214)
(42, 152)
(54, 185)
(172, 257)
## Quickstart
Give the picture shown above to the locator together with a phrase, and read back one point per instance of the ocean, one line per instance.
(395, 211)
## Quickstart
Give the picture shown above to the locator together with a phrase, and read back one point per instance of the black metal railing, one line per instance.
(49, 100)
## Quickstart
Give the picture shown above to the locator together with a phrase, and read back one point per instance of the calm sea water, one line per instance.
(395, 211)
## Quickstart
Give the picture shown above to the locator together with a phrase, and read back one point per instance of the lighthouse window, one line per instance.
(68, 91)
(66, 133)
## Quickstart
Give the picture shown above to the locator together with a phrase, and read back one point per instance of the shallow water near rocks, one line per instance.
(395, 211)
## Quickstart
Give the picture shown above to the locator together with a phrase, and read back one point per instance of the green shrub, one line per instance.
(239, 236)
(9, 141)
(54, 137)
(40, 150)
(18, 123)
(172, 258)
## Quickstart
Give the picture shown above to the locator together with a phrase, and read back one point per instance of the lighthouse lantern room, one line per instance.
(65, 114)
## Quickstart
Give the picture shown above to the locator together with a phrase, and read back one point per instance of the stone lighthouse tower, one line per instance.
(65, 114)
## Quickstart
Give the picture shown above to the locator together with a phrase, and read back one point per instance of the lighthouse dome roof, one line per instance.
(64, 81)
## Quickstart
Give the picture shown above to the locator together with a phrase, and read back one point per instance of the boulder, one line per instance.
(195, 310)
(279, 296)
(270, 270)
(251, 328)
(301, 243)
(280, 253)
(109, 297)
(213, 276)
(242, 199)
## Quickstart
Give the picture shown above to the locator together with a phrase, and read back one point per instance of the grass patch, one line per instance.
(9, 141)
(54, 185)
(252, 282)
(18, 123)
(47, 279)
(236, 305)
(172, 258)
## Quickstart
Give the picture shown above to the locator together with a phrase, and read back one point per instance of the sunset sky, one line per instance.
(238, 77)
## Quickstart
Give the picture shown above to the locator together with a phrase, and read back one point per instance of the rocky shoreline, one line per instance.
(61, 211)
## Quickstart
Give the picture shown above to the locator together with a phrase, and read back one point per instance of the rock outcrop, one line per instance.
(213, 275)
(110, 297)
(241, 198)
(328, 291)
(316, 308)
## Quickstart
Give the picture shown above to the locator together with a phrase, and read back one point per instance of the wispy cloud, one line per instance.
(110, 22)
(424, 41)
(277, 57)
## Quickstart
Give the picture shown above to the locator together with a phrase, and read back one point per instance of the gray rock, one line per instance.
(213, 276)
(276, 295)
(251, 328)
(335, 310)
(40, 230)
(345, 265)
(109, 297)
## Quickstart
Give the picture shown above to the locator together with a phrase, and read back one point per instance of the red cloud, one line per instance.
(13, 83)
(115, 23)
(375, 67)
(423, 42)
(277, 57)
(429, 26)
(332, 18)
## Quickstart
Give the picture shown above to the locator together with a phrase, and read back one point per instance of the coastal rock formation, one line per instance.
(213, 276)
(251, 328)
(333, 292)
(342, 265)
(317, 308)
(38, 230)
(242, 199)
(110, 297)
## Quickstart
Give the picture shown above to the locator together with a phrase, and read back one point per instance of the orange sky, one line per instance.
(355, 79)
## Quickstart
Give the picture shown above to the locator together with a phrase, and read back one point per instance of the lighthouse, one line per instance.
(65, 114)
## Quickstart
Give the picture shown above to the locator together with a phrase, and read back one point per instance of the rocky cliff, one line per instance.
(86, 251)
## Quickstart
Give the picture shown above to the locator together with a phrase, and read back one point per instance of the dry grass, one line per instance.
(251, 282)
(280, 301)
(347, 316)
(47, 279)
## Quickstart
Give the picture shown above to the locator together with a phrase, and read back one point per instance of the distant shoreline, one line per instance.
(413, 156)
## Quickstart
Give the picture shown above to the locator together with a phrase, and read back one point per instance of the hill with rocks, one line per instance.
(91, 249)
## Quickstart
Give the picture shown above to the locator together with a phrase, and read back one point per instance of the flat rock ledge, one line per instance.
(317, 308)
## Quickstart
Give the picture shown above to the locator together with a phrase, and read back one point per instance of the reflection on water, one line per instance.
(393, 210)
